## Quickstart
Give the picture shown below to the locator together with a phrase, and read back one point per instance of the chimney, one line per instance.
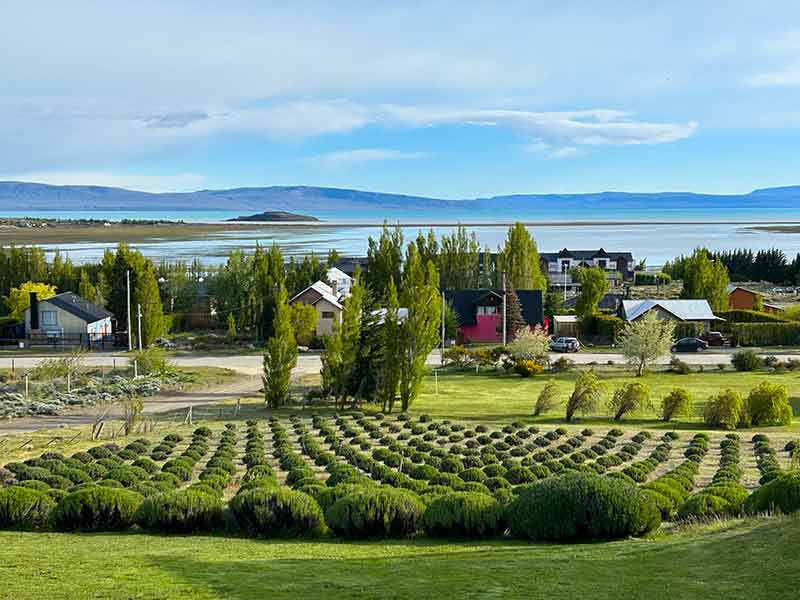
(34, 312)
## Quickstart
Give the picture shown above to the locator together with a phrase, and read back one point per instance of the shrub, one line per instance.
(630, 397)
(528, 368)
(96, 509)
(768, 404)
(464, 514)
(586, 395)
(765, 334)
(24, 508)
(582, 506)
(547, 399)
(782, 494)
(745, 360)
(269, 512)
(725, 410)
(376, 512)
(677, 403)
(182, 511)
(676, 365)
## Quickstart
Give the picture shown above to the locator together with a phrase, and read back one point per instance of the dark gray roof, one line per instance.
(80, 307)
(465, 303)
(585, 255)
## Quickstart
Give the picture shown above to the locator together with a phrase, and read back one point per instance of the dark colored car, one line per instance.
(714, 338)
(689, 345)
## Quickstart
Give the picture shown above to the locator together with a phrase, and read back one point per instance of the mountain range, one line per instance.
(16, 196)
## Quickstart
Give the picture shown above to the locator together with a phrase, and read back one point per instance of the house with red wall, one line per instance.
(480, 312)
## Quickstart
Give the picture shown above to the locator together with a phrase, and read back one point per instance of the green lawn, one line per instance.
(751, 560)
(504, 398)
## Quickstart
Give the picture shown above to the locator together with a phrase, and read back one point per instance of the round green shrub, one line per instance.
(376, 512)
(23, 508)
(464, 514)
(326, 498)
(703, 505)
(270, 512)
(127, 476)
(96, 509)
(35, 484)
(782, 494)
(258, 471)
(768, 404)
(183, 511)
(582, 506)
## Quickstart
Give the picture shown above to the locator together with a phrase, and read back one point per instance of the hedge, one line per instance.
(24, 508)
(269, 512)
(782, 494)
(376, 512)
(464, 514)
(96, 508)
(183, 511)
(749, 316)
(765, 334)
(582, 506)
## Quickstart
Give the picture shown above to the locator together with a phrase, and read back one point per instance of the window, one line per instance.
(602, 263)
(487, 310)
(327, 314)
(48, 318)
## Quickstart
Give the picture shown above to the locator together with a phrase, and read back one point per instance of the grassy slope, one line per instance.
(744, 560)
(500, 398)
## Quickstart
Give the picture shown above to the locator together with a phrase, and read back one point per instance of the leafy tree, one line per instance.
(280, 354)
(231, 327)
(630, 397)
(146, 294)
(586, 395)
(459, 261)
(725, 410)
(87, 290)
(515, 322)
(19, 300)
(332, 365)
(768, 404)
(519, 260)
(547, 399)
(333, 258)
(384, 259)
(530, 344)
(420, 331)
(352, 308)
(645, 340)
(594, 286)
(304, 322)
(428, 247)
(706, 278)
(388, 378)
(678, 403)
(116, 266)
(553, 301)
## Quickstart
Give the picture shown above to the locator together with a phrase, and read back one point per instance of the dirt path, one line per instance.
(168, 401)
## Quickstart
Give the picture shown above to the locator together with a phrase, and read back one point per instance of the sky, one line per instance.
(446, 99)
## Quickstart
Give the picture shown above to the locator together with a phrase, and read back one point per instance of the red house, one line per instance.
(480, 312)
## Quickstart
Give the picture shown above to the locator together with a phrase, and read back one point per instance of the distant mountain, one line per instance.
(276, 216)
(20, 196)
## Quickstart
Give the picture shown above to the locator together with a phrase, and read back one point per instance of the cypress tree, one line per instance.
(280, 354)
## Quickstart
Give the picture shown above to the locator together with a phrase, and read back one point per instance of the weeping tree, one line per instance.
(388, 378)
(280, 354)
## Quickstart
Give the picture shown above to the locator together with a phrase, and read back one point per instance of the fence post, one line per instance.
(135, 369)
(12, 365)
(69, 383)
(26, 385)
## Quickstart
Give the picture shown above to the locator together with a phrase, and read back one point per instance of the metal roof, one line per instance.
(80, 307)
(685, 310)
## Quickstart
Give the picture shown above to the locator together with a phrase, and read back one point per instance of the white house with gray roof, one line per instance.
(67, 315)
(689, 311)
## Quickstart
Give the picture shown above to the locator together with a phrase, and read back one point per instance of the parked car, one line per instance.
(565, 344)
(714, 338)
(689, 345)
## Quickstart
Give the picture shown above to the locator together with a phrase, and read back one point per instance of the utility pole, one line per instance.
(441, 358)
(130, 339)
(139, 316)
(564, 276)
(504, 309)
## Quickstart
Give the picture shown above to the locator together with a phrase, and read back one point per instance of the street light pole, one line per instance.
(130, 339)
(139, 316)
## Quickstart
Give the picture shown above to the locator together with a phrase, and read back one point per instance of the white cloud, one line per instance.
(348, 158)
(180, 182)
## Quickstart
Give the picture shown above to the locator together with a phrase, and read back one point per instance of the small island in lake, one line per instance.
(275, 215)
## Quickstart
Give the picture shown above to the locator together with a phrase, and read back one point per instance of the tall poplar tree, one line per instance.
(519, 260)
(389, 370)
(280, 354)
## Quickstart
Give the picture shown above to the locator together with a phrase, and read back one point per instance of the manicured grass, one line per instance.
(504, 398)
(757, 559)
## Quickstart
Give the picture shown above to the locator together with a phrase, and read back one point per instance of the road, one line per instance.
(310, 363)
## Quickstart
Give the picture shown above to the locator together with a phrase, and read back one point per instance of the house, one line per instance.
(480, 312)
(327, 303)
(741, 298)
(686, 311)
(611, 262)
(340, 281)
(608, 303)
(566, 325)
(348, 264)
(67, 316)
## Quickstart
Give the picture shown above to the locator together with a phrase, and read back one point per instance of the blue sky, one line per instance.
(447, 99)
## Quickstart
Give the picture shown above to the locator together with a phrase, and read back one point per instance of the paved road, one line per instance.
(310, 363)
